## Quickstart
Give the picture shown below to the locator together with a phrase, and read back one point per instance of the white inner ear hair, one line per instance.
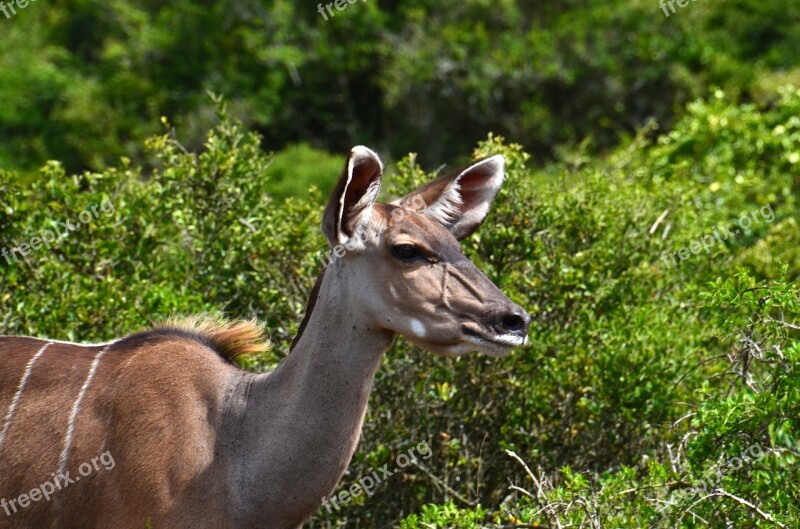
(364, 226)
(359, 213)
(447, 208)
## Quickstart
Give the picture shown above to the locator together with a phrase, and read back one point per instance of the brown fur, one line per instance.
(139, 403)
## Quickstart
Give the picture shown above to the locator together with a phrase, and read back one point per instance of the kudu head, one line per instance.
(404, 264)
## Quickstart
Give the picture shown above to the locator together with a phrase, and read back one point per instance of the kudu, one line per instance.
(198, 442)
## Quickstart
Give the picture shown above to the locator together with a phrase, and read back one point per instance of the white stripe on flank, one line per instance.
(18, 394)
(62, 464)
(100, 344)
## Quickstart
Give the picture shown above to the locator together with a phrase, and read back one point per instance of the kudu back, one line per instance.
(161, 429)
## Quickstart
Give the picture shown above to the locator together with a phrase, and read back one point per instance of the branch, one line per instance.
(658, 221)
(768, 517)
(443, 484)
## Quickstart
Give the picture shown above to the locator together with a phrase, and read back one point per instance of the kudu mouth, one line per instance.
(500, 332)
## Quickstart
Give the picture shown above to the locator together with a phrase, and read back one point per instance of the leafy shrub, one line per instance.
(643, 376)
(86, 80)
(293, 170)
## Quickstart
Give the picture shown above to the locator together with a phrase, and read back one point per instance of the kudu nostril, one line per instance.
(516, 322)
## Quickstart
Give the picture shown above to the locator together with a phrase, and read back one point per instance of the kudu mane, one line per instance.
(230, 339)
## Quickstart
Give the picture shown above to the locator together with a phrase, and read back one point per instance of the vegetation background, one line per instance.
(653, 393)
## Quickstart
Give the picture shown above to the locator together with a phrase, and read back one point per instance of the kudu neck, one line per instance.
(304, 418)
(336, 327)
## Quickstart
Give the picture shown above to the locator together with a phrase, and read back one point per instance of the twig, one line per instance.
(768, 517)
(247, 224)
(520, 526)
(672, 485)
(666, 232)
(658, 221)
(525, 492)
(443, 484)
(521, 462)
(787, 325)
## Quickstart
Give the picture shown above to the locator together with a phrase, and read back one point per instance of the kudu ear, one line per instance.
(351, 201)
(461, 201)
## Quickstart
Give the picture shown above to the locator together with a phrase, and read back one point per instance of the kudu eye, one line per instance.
(407, 252)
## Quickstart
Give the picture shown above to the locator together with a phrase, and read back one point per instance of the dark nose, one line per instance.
(514, 321)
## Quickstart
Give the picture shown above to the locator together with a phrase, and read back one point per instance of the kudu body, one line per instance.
(199, 443)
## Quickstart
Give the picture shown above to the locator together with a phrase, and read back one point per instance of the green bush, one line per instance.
(296, 168)
(84, 81)
(643, 376)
